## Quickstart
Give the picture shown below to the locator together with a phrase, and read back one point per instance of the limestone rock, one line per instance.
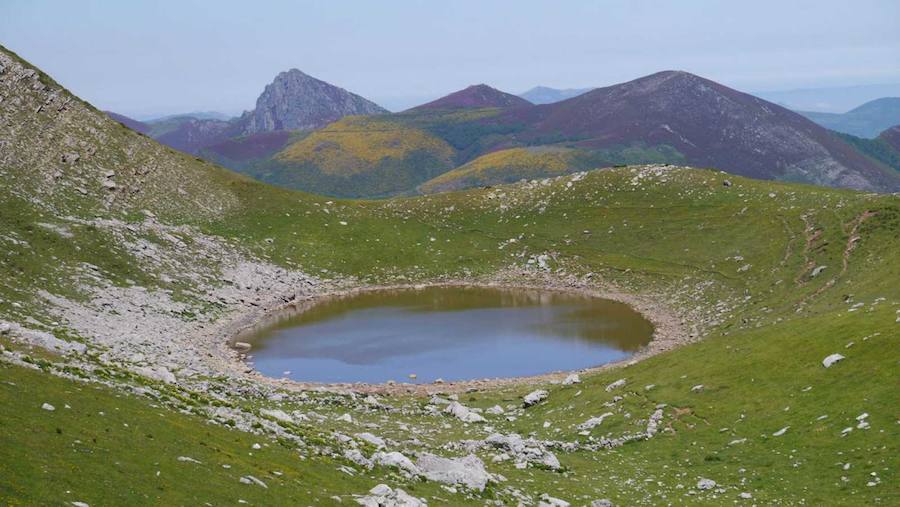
(535, 397)
(468, 471)
(830, 360)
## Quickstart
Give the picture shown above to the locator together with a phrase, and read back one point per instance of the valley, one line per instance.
(129, 267)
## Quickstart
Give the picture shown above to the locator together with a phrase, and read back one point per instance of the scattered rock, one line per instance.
(615, 385)
(705, 484)
(383, 496)
(395, 459)
(372, 439)
(495, 410)
(830, 360)
(280, 415)
(463, 413)
(571, 379)
(603, 502)
(780, 432)
(535, 397)
(249, 479)
(159, 373)
(593, 422)
(549, 501)
(468, 471)
(697, 388)
(48, 407)
(188, 459)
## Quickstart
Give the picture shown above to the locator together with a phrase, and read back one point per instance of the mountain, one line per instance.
(829, 100)
(358, 157)
(191, 135)
(711, 125)
(293, 101)
(892, 137)
(885, 148)
(297, 101)
(136, 125)
(546, 95)
(199, 115)
(474, 97)
(867, 120)
(669, 117)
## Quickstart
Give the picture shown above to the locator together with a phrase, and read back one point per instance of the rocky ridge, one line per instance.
(297, 101)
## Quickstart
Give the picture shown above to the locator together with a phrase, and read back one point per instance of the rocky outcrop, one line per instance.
(297, 101)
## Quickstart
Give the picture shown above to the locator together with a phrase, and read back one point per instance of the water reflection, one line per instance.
(453, 333)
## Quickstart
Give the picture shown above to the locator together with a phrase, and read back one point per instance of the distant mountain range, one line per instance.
(830, 100)
(484, 136)
(546, 95)
(867, 120)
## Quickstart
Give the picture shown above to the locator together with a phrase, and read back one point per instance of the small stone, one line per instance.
(48, 407)
(830, 360)
(249, 479)
(615, 385)
(572, 379)
(745, 496)
(705, 484)
(549, 501)
(780, 432)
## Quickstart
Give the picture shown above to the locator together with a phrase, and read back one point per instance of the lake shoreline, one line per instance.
(669, 331)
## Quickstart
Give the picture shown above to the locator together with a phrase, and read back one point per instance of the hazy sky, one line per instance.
(153, 57)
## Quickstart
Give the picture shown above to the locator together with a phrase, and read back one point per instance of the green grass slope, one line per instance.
(514, 164)
(773, 277)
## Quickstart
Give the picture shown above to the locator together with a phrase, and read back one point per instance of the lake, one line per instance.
(452, 333)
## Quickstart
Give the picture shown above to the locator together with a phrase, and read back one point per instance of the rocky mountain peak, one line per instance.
(295, 100)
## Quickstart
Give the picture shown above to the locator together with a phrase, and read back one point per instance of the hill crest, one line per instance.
(475, 96)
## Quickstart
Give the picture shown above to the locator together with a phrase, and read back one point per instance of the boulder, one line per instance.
(468, 471)
(463, 413)
(383, 495)
(395, 459)
(372, 439)
(535, 397)
(594, 421)
(280, 415)
(705, 484)
(830, 360)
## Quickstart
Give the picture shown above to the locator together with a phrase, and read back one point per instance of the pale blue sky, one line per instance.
(154, 57)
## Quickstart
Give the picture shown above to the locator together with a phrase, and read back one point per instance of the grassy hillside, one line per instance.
(879, 149)
(514, 164)
(358, 156)
(769, 278)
